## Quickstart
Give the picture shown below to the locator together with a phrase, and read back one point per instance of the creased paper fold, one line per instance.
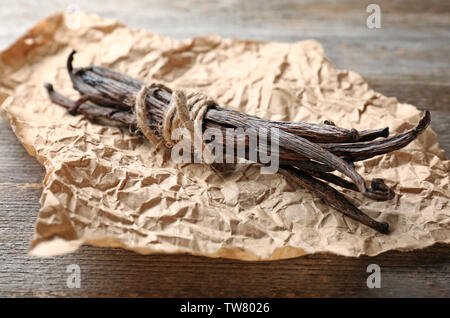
(106, 187)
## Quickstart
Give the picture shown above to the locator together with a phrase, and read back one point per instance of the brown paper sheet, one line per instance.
(106, 187)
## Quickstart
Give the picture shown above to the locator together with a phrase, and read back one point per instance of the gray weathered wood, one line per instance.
(408, 58)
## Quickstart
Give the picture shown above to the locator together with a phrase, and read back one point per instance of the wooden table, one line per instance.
(409, 57)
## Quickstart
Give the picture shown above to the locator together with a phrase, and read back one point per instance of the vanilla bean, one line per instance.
(331, 178)
(365, 150)
(307, 151)
(93, 112)
(333, 198)
(114, 87)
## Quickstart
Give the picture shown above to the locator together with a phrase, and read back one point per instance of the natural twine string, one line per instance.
(187, 108)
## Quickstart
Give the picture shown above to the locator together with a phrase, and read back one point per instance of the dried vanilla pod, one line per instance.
(308, 153)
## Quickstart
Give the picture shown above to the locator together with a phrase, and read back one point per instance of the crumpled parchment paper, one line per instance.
(105, 187)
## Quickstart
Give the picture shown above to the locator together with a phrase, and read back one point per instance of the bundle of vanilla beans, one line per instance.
(308, 153)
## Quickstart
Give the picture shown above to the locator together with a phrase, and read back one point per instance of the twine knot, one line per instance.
(186, 109)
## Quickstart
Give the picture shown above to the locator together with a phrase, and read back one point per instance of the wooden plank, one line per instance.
(407, 58)
(118, 273)
(423, 93)
(412, 41)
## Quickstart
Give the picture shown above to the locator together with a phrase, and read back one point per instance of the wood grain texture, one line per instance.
(409, 57)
